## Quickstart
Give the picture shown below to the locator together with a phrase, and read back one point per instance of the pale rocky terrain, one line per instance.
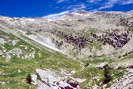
(94, 50)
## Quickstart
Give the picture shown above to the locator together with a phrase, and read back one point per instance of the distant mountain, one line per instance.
(94, 47)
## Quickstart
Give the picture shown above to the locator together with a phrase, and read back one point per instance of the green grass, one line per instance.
(130, 56)
(14, 72)
(94, 76)
(26, 67)
(10, 69)
(98, 59)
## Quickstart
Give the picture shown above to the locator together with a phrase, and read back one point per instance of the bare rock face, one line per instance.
(117, 38)
(49, 79)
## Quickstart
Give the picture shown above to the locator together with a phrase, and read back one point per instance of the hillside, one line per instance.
(75, 50)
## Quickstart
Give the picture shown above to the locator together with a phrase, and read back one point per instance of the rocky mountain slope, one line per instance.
(76, 50)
